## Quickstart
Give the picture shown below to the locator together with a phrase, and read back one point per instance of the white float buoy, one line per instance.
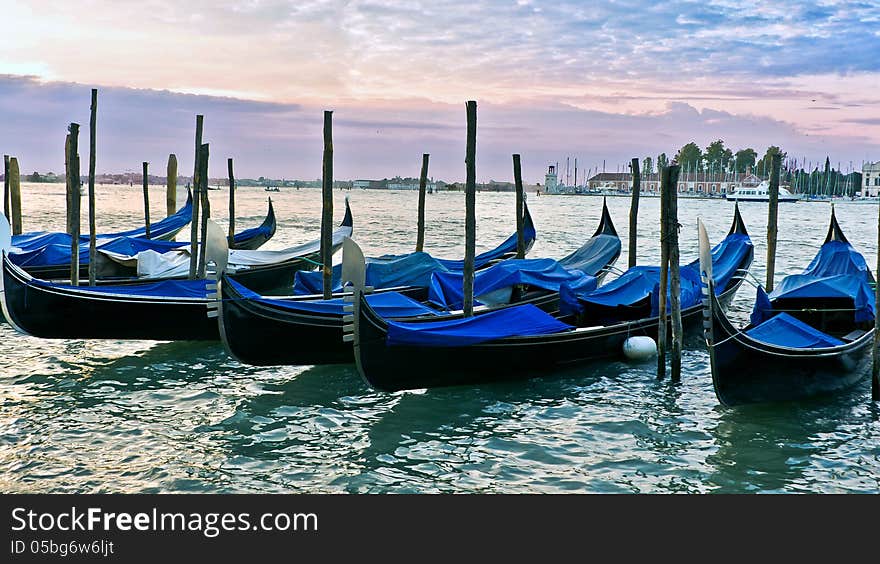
(639, 348)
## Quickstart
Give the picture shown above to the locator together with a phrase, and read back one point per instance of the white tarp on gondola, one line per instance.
(151, 264)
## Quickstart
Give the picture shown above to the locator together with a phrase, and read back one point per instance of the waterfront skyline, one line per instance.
(552, 79)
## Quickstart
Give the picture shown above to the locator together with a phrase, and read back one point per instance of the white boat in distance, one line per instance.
(759, 193)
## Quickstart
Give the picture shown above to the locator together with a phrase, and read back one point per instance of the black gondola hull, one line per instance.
(392, 368)
(747, 371)
(58, 313)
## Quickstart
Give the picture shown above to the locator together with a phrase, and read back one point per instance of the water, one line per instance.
(137, 416)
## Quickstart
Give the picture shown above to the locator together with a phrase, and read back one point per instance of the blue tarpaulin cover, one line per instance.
(506, 247)
(53, 249)
(594, 255)
(838, 257)
(386, 304)
(388, 271)
(170, 224)
(522, 320)
(837, 271)
(166, 288)
(787, 331)
(446, 288)
(641, 282)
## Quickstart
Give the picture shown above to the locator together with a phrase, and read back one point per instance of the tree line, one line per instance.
(716, 158)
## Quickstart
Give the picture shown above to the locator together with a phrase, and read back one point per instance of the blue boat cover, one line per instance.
(505, 248)
(386, 304)
(802, 286)
(387, 271)
(837, 271)
(53, 249)
(446, 289)
(164, 289)
(168, 225)
(522, 320)
(787, 331)
(264, 231)
(641, 282)
(838, 257)
(594, 255)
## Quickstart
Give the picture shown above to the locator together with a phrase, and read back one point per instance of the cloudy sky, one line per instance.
(596, 80)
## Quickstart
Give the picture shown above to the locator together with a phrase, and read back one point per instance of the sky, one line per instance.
(600, 81)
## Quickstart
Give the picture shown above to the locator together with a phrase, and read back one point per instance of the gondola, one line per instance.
(164, 230)
(810, 336)
(296, 331)
(48, 257)
(254, 238)
(169, 309)
(522, 341)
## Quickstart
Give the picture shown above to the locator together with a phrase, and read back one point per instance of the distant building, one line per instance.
(550, 185)
(710, 183)
(871, 180)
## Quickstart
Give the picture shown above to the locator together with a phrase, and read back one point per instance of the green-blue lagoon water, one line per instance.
(139, 416)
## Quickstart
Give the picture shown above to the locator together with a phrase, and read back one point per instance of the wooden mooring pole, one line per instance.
(74, 211)
(327, 208)
(520, 208)
(67, 177)
(194, 226)
(231, 236)
(664, 270)
(171, 186)
(146, 176)
(875, 372)
(93, 248)
(6, 186)
(634, 212)
(15, 195)
(206, 209)
(674, 274)
(772, 213)
(470, 201)
(420, 222)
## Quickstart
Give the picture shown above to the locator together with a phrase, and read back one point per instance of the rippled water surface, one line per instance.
(138, 416)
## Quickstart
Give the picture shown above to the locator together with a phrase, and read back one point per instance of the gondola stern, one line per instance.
(606, 225)
(348, 220)
(738, 226)
(835, 233)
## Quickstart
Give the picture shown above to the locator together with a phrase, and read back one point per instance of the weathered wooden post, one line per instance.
(773, 210)
(146, 178)
(470, 204)
(634, 212)
(74, 212)
(875, 372)
(93, 120)
(231, 236)
(674, 273)
(327, 208)
(420, 222)
(664, 271)
(67, 180)
(171, 186)
(194, 227)
(520, 208)
(15, 195)
(6, 186)
(206, 209)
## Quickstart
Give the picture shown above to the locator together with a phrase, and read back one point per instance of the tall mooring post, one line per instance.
(146, 177)
(634, 212)
(171, 185)
(93, 245)
(420, 221)
(520, 208)
(327, 208)
(194, 226)
(231, 236)
(74, 211)
(470, 201)
(772, 214)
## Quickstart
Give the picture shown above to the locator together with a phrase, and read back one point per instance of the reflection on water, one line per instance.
(115, 416)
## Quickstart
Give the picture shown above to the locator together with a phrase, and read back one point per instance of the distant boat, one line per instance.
(272, 189)
(214, 188)
(759, 193)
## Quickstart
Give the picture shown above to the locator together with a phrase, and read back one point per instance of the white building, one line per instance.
(871, 180)
(550, 181)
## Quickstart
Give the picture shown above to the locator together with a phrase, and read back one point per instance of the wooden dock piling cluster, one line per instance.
(670, 279)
